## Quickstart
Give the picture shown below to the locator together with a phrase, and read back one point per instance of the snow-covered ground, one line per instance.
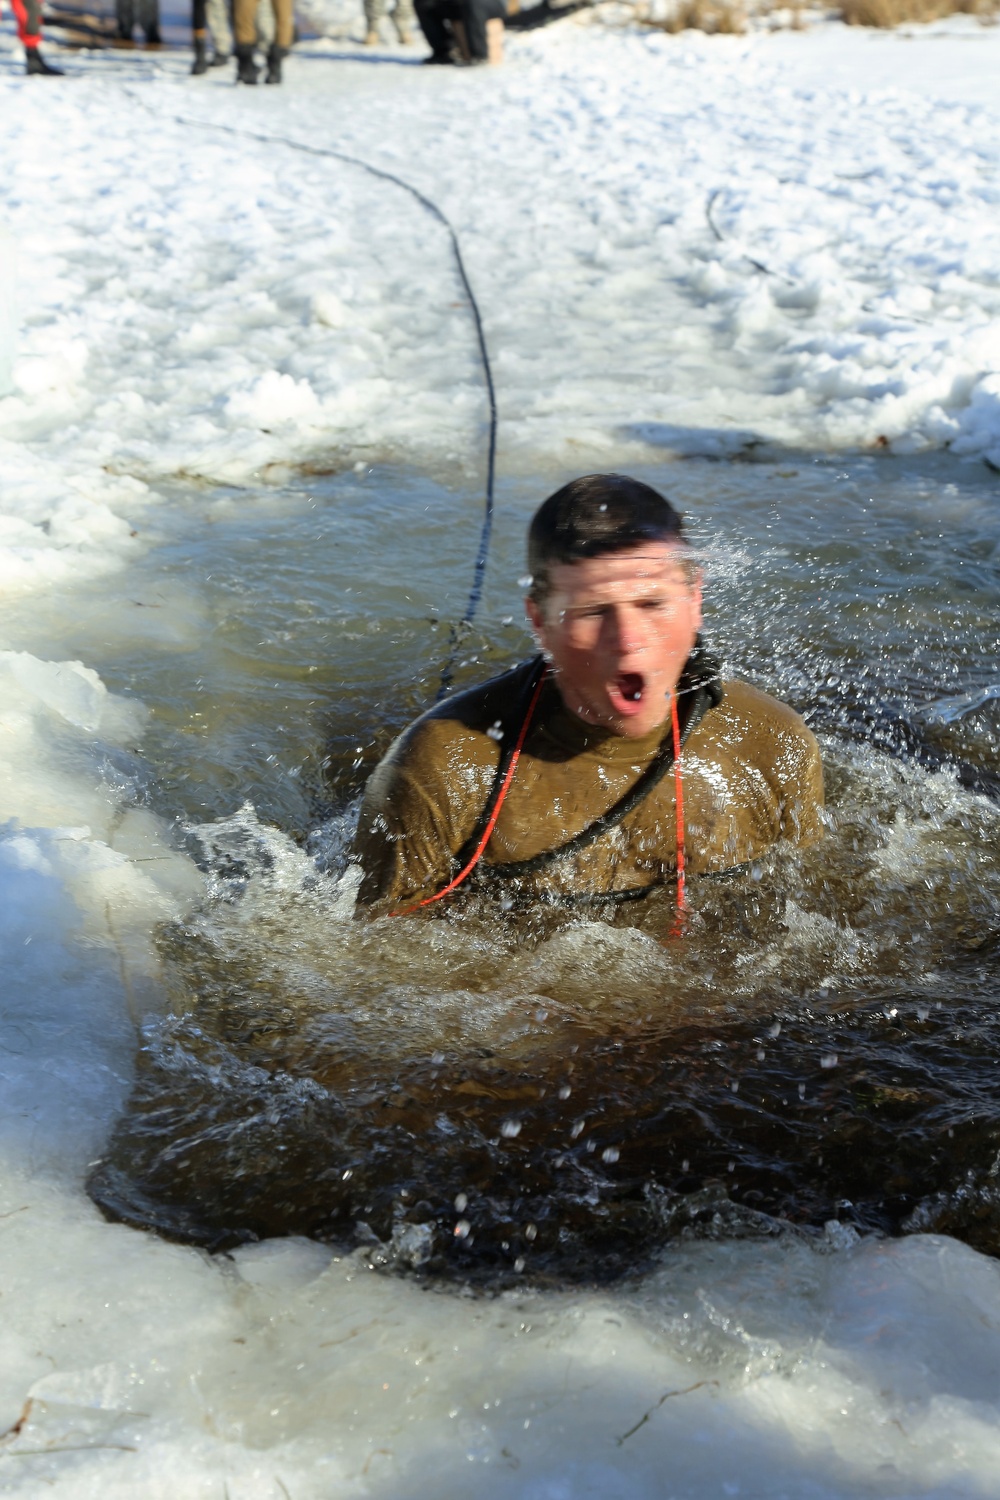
(198, 304)
(679, 244)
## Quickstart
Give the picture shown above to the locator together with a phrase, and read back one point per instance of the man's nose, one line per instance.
(627, 634)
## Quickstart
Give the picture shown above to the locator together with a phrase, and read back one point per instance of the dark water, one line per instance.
(495, 1094)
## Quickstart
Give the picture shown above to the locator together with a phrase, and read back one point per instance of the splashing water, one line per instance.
(820, 1046)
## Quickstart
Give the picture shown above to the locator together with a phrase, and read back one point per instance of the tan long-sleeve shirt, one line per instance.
(751, 774)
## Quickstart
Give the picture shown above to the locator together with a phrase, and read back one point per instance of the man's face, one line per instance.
(618, 630)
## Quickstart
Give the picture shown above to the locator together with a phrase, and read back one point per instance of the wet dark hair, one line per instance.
(594, 515)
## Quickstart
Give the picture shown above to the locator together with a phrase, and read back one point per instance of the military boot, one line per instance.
(246, 69)
(275, 55)
(36, 66)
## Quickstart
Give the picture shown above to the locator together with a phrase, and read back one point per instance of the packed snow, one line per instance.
(679, 244)
(675, 243)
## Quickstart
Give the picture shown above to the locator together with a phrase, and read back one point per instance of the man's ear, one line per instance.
(536, 620)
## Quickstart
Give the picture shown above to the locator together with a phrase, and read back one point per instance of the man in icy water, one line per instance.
(561, 779)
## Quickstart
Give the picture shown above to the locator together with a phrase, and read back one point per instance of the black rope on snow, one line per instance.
(758, 265)
(458, 631)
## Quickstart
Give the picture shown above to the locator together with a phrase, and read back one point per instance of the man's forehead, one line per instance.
(651, 563)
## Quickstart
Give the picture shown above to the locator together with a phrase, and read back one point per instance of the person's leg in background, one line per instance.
(148, 16)
(374, 11)
(217, 16)
(125, 18)
(200, 64)
(404, 21)
(284, 27)
(28, 15)
(476, 15)
(431, 15)
(245, 32)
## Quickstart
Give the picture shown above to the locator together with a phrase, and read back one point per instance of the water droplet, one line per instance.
(829, 1061)
(610, 1153)
(685, 1165)
(510, 1128)
(531, 1231)
(461, 1203)
(462, 1229)
(774, 1030)
(565, 1091)
(802, 1091)
(519, 1264)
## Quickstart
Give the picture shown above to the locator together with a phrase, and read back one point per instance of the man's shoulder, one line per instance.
(749, 710)
(477, 718)
(751, 728)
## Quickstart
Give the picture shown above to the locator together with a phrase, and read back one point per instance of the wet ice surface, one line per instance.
(184, 795)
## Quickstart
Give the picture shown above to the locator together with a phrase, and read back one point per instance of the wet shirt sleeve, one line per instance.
(755, 778)
(418, 810)
(800, 792)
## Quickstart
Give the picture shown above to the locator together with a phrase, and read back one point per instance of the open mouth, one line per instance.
(626, 692)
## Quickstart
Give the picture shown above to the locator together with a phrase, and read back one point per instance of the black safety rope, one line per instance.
(459, 631)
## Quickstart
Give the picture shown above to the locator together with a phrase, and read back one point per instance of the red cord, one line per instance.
(679, 805)
(487, 831)
(491, 824)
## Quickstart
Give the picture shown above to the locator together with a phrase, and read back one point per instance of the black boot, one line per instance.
(274, 58)
(35, 64)
(246, 68)
(200, 64)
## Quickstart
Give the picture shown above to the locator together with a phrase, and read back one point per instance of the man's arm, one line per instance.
(420, 806)
(755, 776)
(403, 842)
